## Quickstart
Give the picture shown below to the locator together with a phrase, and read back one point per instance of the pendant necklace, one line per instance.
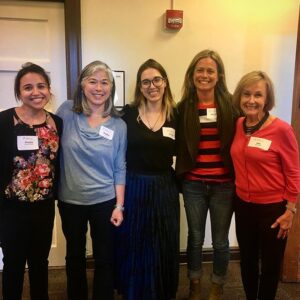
(251, 129)
(152, 127)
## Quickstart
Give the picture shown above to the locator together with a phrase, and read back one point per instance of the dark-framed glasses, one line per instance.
(157, 81)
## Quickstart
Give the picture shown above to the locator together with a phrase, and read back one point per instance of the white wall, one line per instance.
(248, 35)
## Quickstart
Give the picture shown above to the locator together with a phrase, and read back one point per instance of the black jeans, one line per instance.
(75, 219)
(260, 249)
(26, 237)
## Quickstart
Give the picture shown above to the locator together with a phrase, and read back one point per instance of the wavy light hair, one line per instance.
(80, 101)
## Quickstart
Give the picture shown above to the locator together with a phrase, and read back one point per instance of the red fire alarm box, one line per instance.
(174, 19)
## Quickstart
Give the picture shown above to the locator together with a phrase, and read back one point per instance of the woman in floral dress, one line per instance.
(28, 151)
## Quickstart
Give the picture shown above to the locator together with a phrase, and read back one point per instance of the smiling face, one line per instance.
(205, 75)
(152, 93)
(34, 91)
(253, 100)
(97, 89)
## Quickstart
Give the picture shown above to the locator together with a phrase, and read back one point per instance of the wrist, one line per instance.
(293, 209)
(119, 207)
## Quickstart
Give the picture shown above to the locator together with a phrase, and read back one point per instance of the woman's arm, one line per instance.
(285, 221)
(117, 214)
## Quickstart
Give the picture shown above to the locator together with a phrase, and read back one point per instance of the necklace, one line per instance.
(152, 127)
(251, 129)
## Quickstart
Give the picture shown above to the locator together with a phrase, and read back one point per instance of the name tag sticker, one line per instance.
(106, 133)
(260, 143)
(211, 114)
(27, 142)
(169, 132)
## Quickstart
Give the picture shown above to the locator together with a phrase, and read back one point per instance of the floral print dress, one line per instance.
(33, 170)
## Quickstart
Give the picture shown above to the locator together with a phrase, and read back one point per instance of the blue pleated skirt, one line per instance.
(147, 242)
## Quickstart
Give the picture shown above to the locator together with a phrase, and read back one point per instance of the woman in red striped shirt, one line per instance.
(206, 129)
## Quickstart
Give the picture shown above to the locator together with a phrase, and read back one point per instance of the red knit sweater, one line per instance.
(271, 174)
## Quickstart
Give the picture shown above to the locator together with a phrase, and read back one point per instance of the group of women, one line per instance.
(231, 155)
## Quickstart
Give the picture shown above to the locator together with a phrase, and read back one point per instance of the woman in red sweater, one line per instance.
(266, 161)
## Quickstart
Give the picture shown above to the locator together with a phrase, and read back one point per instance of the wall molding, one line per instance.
(207, 256)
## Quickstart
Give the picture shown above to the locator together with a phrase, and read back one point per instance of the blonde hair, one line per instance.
(251, 78)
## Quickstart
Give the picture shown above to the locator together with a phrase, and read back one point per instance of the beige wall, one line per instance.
(248, 35)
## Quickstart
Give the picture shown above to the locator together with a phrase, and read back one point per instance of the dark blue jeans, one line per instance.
(260, 249)
(26, 238)
(75, 219)
(199, 198)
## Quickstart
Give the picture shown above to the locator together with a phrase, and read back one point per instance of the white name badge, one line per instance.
(169, 132)
(260, 143)
(27, 142)
(211, 114)
(106, 133)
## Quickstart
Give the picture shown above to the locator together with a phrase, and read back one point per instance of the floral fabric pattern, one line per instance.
(33, 175)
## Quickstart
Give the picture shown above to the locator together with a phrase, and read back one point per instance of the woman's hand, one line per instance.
(285, 223)
(116, 217)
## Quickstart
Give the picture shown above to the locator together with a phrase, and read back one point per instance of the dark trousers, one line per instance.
(260, 249)
(75, 219)
(26, 237)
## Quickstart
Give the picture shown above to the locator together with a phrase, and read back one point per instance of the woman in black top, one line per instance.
(148, 240)
(28, 152)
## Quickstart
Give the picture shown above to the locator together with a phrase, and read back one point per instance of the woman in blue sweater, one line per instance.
(92, 179)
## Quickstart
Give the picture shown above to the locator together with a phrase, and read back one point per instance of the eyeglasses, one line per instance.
(157, 81)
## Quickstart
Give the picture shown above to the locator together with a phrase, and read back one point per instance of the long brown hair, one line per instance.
(189, 90)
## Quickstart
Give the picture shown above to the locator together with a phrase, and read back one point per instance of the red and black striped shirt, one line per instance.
(210, 166)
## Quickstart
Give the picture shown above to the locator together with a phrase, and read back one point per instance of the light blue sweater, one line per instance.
(91, 164)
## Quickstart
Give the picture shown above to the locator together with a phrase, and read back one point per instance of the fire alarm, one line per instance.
(174, 19)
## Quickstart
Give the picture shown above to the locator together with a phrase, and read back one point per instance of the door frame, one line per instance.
(291, 264)
(296, 92)
(72, 11)
(73, 43)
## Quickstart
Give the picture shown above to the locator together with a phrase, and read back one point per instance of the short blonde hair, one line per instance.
(251, 78)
